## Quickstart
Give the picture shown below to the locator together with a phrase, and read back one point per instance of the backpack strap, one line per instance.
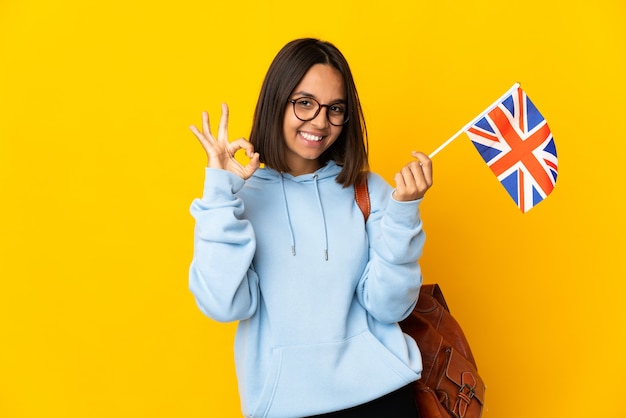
(362, 197)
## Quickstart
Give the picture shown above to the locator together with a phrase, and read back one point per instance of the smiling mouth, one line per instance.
(311, 137)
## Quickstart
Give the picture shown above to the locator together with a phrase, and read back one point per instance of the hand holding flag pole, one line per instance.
(516, 143)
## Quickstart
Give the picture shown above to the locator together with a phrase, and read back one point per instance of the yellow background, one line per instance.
(98, 168)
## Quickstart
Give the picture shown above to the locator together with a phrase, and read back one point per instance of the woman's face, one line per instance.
(306, 141)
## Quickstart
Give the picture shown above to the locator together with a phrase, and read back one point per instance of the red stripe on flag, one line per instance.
(521, 150)
(484, 134)
(550, 164)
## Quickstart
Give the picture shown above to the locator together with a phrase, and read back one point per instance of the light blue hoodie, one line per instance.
(317, 294)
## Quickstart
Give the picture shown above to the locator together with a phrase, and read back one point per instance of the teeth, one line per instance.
(310, 137)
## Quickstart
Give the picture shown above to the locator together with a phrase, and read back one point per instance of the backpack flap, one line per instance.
(470, 388)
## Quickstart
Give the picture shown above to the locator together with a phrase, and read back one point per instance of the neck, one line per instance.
(304, 168)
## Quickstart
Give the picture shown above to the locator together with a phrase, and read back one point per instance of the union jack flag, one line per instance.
(516, 143)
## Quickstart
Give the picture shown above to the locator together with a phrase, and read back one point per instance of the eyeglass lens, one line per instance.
(306, 108)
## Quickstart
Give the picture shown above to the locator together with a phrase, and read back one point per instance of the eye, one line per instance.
(304, 103)
(337, 108)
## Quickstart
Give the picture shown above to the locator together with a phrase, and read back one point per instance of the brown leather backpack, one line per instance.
(450, 385)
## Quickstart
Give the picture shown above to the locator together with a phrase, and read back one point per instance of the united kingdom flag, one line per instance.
(516, 143)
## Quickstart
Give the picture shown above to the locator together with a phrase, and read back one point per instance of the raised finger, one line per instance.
(196, 132)
(206, 126)
(222, 134)
(201, 138)
(200, 135)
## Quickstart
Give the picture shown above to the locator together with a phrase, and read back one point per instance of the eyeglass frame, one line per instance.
(319, 109)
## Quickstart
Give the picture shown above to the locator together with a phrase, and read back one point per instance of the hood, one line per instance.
(330, 170)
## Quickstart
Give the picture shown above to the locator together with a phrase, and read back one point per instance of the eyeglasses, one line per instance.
(307, 108)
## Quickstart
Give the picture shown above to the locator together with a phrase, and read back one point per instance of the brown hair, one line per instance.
(286, 71)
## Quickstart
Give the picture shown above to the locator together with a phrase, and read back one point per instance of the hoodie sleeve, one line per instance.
(392, 278)
(221, 276)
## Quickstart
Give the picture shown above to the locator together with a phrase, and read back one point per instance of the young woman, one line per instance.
(285, 251)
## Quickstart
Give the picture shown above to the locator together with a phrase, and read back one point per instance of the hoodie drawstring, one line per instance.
(293, 239)
(319, 203)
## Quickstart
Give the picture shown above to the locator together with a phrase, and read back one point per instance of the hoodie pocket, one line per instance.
(312, 379)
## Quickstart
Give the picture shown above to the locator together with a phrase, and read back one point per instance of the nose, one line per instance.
(321, 119)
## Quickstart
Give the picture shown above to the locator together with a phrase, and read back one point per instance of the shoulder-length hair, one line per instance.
(290, 65)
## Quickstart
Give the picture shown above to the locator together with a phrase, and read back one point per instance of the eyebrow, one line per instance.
(307, 94)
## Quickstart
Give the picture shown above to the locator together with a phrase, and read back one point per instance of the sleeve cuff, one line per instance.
(218, 183)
